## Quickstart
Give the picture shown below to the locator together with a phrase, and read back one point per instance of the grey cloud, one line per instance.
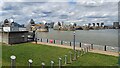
(63, 11)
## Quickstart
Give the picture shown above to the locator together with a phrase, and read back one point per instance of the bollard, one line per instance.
(70, 56)
(78, 53)
(60, 62)
(43, 65)
(91, 46)
(65, 59)
(52, 64)
(75, 55)
(54, 41)
(70, 43)
(105, 48)
(61, 42)
(84, 51)
(80, 44)
(13, 61)
(30, 63)
(36, 40)
(81, 52)
(41, 39)
(47, 40)
(51, 41)
(87, 49)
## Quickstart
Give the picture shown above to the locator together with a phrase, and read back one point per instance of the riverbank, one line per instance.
(78, 48)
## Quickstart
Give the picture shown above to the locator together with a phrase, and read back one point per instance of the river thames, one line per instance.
(107, 37)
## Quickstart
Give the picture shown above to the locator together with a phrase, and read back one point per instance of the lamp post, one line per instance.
(74, 41)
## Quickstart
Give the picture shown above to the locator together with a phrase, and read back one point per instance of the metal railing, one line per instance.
(80, 44)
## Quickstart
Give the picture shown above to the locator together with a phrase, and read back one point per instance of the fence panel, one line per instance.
(58, 42)
(85, 45)
(77, 44)
(67, 43)
(112, 49)
(99, 47)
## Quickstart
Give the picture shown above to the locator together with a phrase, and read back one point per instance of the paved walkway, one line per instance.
(78, 48)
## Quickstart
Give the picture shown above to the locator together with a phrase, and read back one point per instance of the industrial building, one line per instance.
(11, 34)
(13, 37)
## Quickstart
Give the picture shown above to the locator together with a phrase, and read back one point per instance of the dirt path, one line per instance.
(78, 48)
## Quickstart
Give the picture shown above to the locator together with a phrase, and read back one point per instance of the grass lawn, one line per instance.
(0, 56)
(93, 59)
(41, 53)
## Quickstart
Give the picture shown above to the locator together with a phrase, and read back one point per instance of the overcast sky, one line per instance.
(79, 11)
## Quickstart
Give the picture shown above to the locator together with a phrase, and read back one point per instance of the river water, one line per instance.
(107, 37)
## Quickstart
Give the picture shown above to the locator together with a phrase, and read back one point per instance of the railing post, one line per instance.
(105, 48)
(54, 41)
(80, 44)
(61, 42)
(13, 61)
(91, 46)
(47, 40)
(70, 43)
(41, 39)
(30, 63)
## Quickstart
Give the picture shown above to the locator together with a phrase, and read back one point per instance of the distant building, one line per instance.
(50, 25)
(116, 25)
(42, 27)
(10, 33)
(12, 26)
(102, 24)
(13, 37)
(30, 26)
(63, 27)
